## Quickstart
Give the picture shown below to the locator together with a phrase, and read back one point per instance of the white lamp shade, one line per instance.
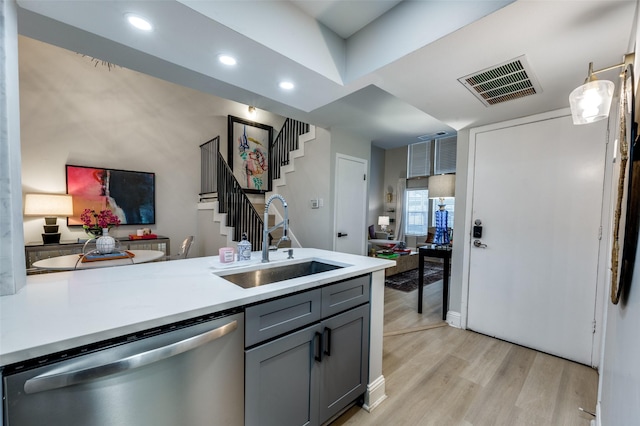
(442, 186)
(48, 205)
(383, 220)
(591, 102)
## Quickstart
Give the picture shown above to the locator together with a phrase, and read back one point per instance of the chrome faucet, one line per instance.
(267, 230)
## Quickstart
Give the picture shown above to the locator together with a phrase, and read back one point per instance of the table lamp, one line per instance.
(50, 206)
(383, 221)
(442, 186)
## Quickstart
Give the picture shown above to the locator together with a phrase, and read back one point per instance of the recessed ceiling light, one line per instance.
(286, 85)
(227, 60)
(139, 22)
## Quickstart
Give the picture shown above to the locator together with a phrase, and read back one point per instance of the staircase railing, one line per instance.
(284, 143)
(241, 215)
(217, 176)
(208, 158)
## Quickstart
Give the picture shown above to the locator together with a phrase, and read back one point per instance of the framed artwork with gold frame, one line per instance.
(627, 212)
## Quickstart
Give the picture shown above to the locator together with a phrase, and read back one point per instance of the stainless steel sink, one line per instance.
(264, 276)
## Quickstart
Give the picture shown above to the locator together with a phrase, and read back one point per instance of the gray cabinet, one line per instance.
(277, 317)
(281, 381)
(311, 371)
(344, 360)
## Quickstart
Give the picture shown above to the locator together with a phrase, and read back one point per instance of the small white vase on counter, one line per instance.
(106, 243)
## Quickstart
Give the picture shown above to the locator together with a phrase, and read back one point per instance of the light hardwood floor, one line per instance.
(443, 376)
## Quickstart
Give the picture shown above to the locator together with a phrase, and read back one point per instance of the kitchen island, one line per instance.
(56, 312)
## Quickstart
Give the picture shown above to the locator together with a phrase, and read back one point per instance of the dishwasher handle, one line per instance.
(48, 381)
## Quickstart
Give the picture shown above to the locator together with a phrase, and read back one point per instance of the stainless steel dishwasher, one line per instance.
(189, 373)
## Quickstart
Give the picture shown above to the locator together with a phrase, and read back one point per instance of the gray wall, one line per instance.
(376, 185)
(461, 228)
(310, 180)
(73, 112)
(395, 167)
(347, 143)
(12, 274)
(71, 115)
(620, 367)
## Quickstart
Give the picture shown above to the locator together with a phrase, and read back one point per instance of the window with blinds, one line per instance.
(445, 155)
(432, 157)
(416, 212)
(419, 161)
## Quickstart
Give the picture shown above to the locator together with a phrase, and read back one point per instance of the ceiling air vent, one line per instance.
(431, 136)
(505, 82)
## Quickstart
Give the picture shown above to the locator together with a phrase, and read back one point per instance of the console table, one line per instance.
(442, 252)
(38, 251)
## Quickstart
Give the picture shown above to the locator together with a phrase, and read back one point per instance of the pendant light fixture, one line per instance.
(591, 102)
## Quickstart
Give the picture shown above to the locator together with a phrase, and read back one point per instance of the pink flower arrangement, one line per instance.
(101, 220)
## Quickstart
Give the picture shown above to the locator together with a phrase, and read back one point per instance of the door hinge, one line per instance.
(365, 177)
(594, 326)
(600, 233)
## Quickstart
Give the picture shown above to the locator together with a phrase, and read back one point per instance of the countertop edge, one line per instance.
(27, 300)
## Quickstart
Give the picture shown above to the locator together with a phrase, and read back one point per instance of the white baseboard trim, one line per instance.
(596, 421)
(375, 394)
(454, 319)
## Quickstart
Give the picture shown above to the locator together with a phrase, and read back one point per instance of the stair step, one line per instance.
(258, 199)
(260, 209)
(277, 234)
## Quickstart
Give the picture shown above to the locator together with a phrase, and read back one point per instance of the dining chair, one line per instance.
(184, 249)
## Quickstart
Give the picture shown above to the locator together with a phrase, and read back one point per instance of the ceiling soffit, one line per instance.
(286, 29)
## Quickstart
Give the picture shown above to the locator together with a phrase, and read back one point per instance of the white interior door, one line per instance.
(351, 205)
(537, 188)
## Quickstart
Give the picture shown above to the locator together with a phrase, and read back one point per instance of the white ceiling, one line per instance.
(387, 70)
(345, 18)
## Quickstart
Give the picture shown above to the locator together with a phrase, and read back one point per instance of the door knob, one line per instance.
(478, 243)
(340, 234)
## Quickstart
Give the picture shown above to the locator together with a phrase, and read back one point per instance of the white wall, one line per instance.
(73, 112)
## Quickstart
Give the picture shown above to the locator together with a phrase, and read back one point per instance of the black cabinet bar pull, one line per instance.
(327, 351)
(318, 347)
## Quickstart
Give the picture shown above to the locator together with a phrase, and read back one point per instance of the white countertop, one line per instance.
(63, 310)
